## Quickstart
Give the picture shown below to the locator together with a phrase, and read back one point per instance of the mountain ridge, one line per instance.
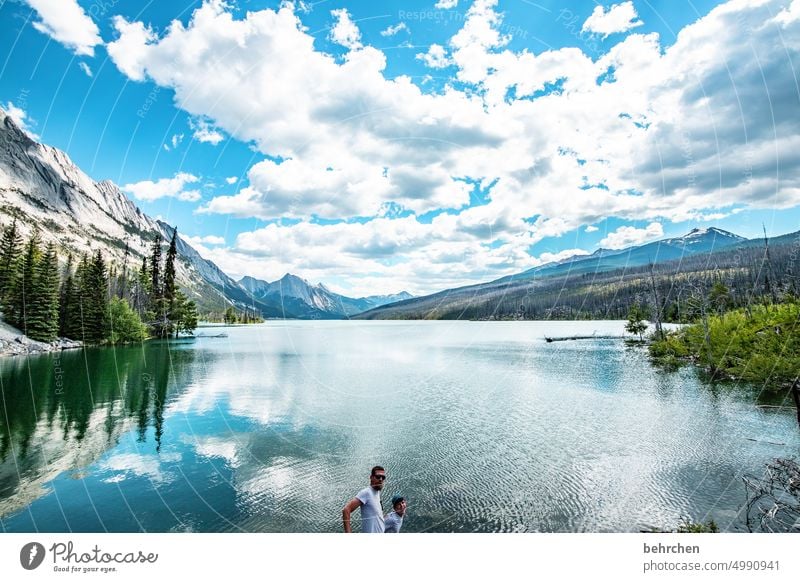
(315, 301)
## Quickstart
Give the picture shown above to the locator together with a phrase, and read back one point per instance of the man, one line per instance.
(369, 500)
(394, 521)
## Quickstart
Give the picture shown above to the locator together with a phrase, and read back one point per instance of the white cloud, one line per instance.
(436, 57)
(132, 48)
(20, 118)
(446, 4)
(203, 240)
(626, 236)
(231, 179)
(149, 191)
(175, 141)
(619, 18)
(85, 68)
(591, 228)
(66, 22)
(344, 31)
(672, 133)
(392, 30)
(205, 132)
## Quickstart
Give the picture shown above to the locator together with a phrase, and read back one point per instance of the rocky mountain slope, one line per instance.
(44, 189)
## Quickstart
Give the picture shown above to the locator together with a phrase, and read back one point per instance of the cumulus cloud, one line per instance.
(392, 30)
(204, 131)
(446, 4)
(344, 31)
(591, 228)
(66, 22)
(626, 236)
(231, 180)
(85, 68)
(436, 57)
(555, 140)
(203, 240)
(618, 18)
(174, 187)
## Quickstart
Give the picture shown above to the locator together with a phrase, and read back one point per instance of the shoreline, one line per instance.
(15, 343)
(22, 345)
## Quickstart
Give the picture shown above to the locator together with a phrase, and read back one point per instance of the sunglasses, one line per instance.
(379, 477)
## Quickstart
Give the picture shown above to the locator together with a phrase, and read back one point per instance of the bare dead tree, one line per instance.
(773, 501)
(657, 307)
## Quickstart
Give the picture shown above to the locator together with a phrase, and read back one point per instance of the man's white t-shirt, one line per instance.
(371, 512)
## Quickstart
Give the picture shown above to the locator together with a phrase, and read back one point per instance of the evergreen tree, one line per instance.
(169, 269)
(94, 300)
(155, 269)
(122, 284)
(167, 310)
(230, 315)
(74, 325)
(141, 293)
(42, 307)
(23, 284)
(184, 314)
(9, 254)
(635, 324)
(69, 304)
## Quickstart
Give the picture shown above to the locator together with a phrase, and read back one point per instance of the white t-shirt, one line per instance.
(371, 512)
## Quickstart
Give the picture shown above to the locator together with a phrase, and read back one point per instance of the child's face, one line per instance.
(400, 508)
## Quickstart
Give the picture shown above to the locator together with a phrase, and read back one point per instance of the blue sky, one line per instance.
(418, 145)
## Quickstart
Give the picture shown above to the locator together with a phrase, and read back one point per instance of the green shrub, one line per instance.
(126, 326)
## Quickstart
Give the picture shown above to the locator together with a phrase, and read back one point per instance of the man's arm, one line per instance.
(351, 506)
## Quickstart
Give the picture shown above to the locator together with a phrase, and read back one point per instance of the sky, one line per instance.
(418, 145)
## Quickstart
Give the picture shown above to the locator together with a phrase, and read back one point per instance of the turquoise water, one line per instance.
(482, 426)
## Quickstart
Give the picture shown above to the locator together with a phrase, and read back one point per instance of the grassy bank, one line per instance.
(760, 344)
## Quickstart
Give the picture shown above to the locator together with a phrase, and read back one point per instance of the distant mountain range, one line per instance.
(698, 240)
(606, 280)
(307, 301)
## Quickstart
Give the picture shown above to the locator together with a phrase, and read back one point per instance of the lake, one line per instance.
(482, 426)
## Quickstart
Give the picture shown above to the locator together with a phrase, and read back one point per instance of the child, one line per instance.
(394, 520)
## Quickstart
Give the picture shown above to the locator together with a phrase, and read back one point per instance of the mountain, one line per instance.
(592, 275)
(44, 189)
(307, 301)
(696, 241)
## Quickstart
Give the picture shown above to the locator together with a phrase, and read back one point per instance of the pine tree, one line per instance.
(23, 284)
(9, 254)
(155, 269)
(94, 300)
(42, 308)
(122, 285)
(184, 314)
(169, 269)
(141, 293)
(75, 323)
(68, 304)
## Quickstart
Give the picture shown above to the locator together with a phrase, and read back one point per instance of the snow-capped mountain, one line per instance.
(704, 239)
(306, 300)
(44, 189)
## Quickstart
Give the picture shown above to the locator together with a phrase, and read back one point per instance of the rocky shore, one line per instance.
(14, 343)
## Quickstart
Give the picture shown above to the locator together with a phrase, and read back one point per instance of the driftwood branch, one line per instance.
(773, 501)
